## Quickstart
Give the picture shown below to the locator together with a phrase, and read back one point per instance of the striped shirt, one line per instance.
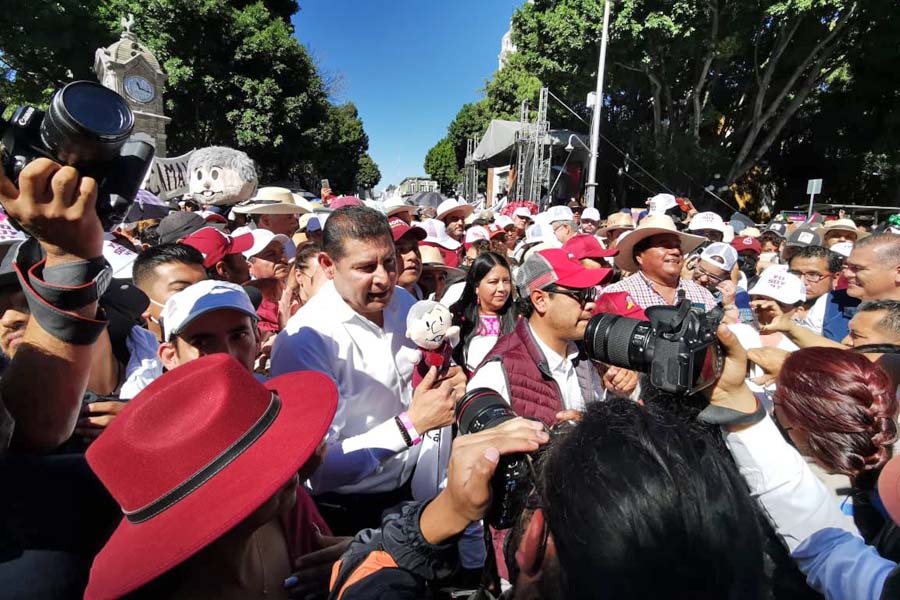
(643, 292)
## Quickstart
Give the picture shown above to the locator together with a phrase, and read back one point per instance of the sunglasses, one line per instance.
(582, 296)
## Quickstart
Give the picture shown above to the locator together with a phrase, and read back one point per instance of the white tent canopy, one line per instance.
(496, 146)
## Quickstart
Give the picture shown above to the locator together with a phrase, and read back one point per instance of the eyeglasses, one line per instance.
(582, 296)
(713, 278)
(812, 277)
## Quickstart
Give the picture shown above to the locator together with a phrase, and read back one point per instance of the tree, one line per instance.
(440, 164)
(697, 88)
(237, 76)
(367, 173)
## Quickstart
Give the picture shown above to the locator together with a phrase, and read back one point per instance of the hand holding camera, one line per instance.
(56, 206)
(473, 461)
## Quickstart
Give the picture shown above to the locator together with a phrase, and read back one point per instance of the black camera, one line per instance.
(678, 346)
(514, 479)
(86, 126)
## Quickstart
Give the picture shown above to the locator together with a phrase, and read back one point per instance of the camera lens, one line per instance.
(619, 341)
(86, 124)
(482, 409)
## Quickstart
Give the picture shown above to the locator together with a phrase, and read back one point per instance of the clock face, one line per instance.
(139, 89)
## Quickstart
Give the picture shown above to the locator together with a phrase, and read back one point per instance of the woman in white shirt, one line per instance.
(485, 311)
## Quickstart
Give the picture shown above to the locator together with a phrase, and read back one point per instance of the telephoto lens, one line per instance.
(482, 409)
(619, 341)
(86, 124)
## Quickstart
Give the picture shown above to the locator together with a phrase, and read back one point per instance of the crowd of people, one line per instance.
(218, 403)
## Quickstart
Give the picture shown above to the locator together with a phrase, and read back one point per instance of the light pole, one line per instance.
(598, 104)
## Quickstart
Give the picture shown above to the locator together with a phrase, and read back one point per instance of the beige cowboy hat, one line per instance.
(654, 224)
(838, 225)
(432, 259)
(274, 201)
(453, 207)
(615, 221)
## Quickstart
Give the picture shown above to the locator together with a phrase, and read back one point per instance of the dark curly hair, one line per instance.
(847, 406)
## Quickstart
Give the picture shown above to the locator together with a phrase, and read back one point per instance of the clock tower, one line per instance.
(131, 70)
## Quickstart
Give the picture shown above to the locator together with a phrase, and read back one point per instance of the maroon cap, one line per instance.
(557, 266)
(399, 228)
(746, 243)
(342, 201)
(495, 230)
(585, 245)
(215, 245)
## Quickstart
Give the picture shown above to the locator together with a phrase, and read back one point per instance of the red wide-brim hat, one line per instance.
(193, 455)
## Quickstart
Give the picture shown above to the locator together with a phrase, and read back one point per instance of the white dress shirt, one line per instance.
(815, 316)
(562, 368)
(367, 453)
(797, 503)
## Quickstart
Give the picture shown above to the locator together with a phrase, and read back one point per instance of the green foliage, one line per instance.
(367, 174)
(237, 77)
(441, 165)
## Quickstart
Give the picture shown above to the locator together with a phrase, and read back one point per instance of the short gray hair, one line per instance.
(886, 245)
(891, 321)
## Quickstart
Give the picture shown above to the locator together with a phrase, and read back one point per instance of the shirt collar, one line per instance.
(345, 314)
(554, 360)
(649, 283)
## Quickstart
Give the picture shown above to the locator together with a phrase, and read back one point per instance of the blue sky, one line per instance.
(408, 65)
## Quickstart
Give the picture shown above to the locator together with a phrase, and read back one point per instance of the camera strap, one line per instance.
(719, 415)
(69, 327)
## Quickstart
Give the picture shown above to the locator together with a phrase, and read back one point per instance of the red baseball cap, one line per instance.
(399, 228)
(193, 455)
(619, 303)
(746, 243)
(495, 230)
(342, 201)
(215, 245)
(585, 245)
(557, 266)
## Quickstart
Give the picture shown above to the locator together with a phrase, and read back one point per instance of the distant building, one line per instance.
(506, 48)
(414, 185)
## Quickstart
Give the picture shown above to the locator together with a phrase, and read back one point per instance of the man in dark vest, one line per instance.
(538, 367)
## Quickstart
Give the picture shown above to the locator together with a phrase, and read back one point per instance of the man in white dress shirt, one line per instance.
(352, 331)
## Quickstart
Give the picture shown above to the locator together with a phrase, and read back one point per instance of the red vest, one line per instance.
(533, 392)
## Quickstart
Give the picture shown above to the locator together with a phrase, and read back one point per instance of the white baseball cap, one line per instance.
(523, 211)
(720, 254)
(590, 214)
(264, 237)
(843, 248)
(200, 298)
(708, 220)
(660, 203)
(476, 232)
(778, 284)
(437, 233)
(559, 213)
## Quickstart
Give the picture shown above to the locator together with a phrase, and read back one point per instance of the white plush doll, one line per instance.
(429, 325)
(221, 176)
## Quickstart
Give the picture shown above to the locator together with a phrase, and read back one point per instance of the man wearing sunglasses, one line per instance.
(712, 270)
(538, 367)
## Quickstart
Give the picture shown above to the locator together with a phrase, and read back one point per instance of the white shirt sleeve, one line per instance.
(348, 459)
(795, 500)
(491, 376)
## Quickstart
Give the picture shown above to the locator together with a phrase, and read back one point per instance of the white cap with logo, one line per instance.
(780, 285)
(720, 254)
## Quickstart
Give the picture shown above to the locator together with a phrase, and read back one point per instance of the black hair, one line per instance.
(306, 252)
(147, 261)
(651, 506)
(353, 223)
(835, 261)
(465, 310)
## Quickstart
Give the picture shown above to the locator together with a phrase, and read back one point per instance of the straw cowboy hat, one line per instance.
(395, 206)
(432, 259)
(451, 207)
(274, 201)
(838, 225)
(615, 221)
(193, 455)
(654, 224)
